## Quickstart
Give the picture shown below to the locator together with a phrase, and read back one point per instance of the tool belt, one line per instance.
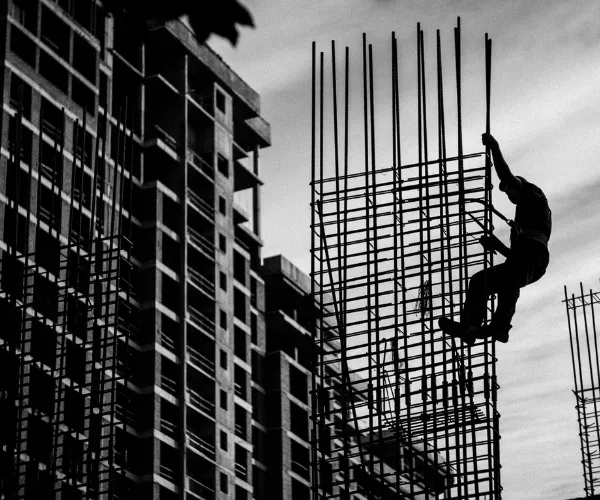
(533, 234)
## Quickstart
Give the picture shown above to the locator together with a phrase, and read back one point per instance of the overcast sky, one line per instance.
(546, 116)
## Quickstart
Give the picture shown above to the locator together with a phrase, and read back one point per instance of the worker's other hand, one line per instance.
(488, 140)
(490, 243)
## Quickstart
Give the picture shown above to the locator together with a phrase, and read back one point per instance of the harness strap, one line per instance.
(534, 234)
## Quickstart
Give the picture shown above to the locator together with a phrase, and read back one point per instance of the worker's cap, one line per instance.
(503, 185)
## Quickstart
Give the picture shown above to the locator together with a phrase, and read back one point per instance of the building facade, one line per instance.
(352, 463)
(133, 212)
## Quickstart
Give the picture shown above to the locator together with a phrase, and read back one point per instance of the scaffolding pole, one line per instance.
(399, 409)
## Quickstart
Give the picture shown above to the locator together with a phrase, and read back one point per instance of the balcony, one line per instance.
(260, 132)
(242, 245)
(240, 431)
(125, 415)
(52, 131)
(200, 164)
(201, 242)
(200, 282)
(244, 177)
(167, 341)
(167, 473)
(169, 428)
(200, 490)
(200, 319)
(201, 361)
(168, 385)
(241, 213)
(241, 471)
(163, 140)
(300, 469)
(201, 402)
(200, 205)
(239, 390)
(201, 445)
(50, 173)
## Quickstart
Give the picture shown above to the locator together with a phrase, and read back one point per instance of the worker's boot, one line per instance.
(498, 332)
(457, 330)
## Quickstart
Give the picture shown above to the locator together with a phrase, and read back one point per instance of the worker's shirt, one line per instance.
(533, 216)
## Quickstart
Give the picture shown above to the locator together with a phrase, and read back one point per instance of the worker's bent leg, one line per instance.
(507, 305)
(523, 267)
(481, 286)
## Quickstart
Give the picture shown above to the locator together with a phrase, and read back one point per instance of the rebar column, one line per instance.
(408, 411)
(581, 319)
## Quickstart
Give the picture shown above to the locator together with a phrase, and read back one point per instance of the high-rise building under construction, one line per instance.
(125, 369)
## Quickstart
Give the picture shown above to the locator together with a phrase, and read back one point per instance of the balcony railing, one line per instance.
(202, 242)
(241, 471)
(169, 428)
(240, 431)
(202, 402)
(49, 172)
(168, 139)
(202, 320)
(167, 473)
(201, 445)
(201, 360)
(200, 490)
(201, 205)
(201, 282)
(124, 415)
(51, 130)
(46, 216)
(239, 390)
(167, 341)
(168, 385)
(242, 244)
(200, 163)
(300, 468)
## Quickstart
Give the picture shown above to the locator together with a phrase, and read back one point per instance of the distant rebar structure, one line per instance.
(581, 317)
(65, 284)
(414, 412)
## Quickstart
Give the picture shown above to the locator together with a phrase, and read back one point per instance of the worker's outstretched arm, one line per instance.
(502, 169)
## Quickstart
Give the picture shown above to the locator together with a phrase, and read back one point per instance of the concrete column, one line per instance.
(256, 196)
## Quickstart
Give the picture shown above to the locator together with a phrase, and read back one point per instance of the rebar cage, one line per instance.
(581, 318)
(400, 410)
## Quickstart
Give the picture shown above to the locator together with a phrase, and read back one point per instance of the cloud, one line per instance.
(545, 111)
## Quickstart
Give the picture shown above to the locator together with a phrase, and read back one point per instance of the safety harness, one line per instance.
(530, 234)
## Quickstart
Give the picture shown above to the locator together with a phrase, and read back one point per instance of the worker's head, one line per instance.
(512, 191)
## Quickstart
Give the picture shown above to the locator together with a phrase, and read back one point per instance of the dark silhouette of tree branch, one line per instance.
(206, 17)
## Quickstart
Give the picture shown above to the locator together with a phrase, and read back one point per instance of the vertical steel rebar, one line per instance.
(315, 395)
(386, 249)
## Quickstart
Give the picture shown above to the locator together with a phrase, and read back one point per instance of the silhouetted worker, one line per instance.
(205, 16)
(526, 259)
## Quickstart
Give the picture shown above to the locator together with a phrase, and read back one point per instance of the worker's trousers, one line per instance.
(525, 264)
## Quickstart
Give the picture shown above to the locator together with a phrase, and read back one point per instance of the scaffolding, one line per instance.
(65, 308)
(399, 409)
(581, 318)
